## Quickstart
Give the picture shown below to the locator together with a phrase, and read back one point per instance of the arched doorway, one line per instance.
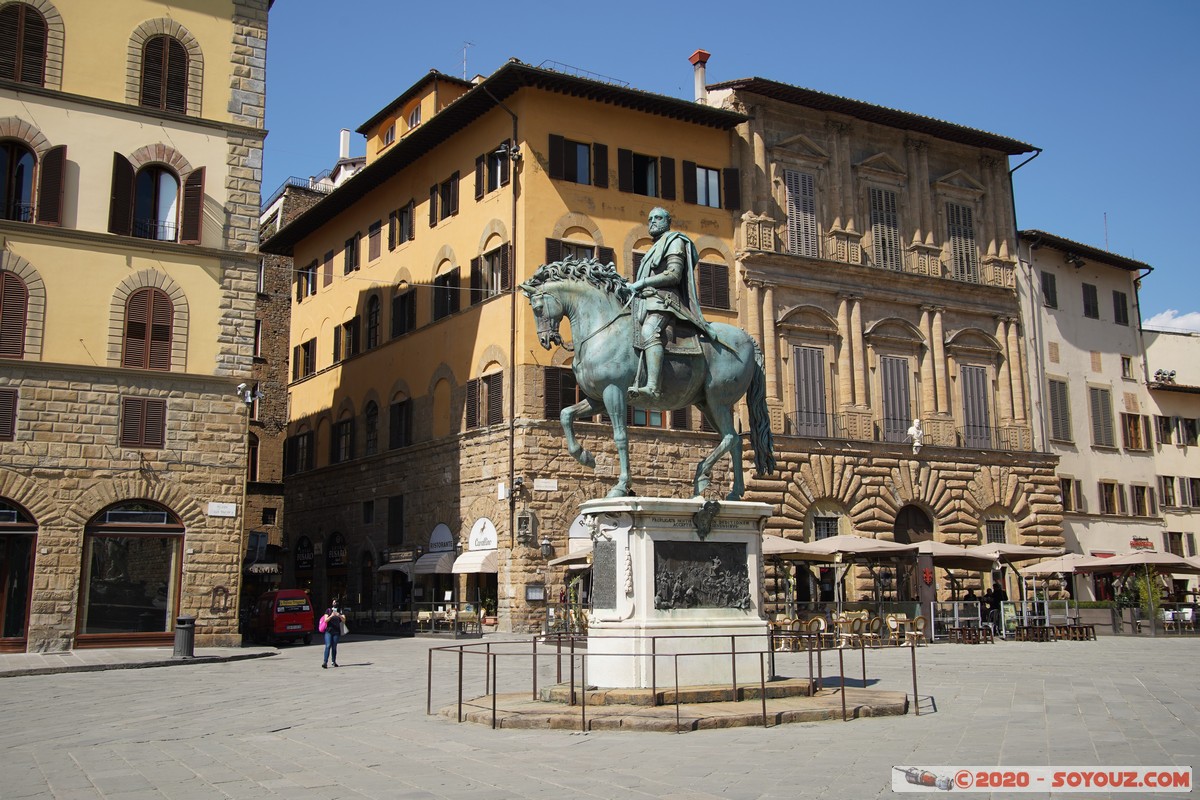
(18, 535)
(912, 526)
(337, 563)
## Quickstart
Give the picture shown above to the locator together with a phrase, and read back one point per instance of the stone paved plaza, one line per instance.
(282, 727)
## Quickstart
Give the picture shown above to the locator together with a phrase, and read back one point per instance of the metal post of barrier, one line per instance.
(863, 647)
(762, 686)
(495, 682)
(460, 682)
(677, 693)
(583, 697)
(820, 661)
(487, 667)
(571, 698)
(429, 685)
(535, 694)
(654, 670)
(733, 655)
(771, 649)
(842, 670)
(916, 697)
(558, 646)
(811, 686)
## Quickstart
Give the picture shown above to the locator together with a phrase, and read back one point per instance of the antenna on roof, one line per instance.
(1105, 230)
(465, 46)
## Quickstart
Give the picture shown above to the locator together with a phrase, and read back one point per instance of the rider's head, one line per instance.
(659, 221)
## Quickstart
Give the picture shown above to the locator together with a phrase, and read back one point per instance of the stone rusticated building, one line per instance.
(877, 253)
(129, 233)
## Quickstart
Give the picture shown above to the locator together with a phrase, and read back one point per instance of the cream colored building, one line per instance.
(133, 131)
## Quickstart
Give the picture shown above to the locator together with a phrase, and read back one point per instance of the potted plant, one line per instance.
(487, 602)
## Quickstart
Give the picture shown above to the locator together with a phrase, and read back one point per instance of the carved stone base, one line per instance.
(671, 577)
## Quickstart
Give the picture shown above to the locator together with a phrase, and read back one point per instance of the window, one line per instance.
(8, 415)
(14, 310)
(1070, 490)
(961, 230)
(492, 170)
(368, 512)
(996, 531)
(155, 204)
(1142, 501)
(298, 453)
(404, 312)
(801, 214)
(1127, 367)
(371, 423)
(400, 226)
(395, 521)
(1060, 411)
(252, 458)
(1120, 308)
(1135, 431)
(810, 392)
(164, 74)
(149, 315)
(326, 269)
(389, 135)
(1193, 485)
(1173, 543)
(1108, 498)
(258, 338)
(489, 274)
(824, 528)
(445, 294)
(17, 164)
(304, 359)
(641, 418)
(704, 188)
(977, 431)
(578, 162)
(373, 322)
(342, 442)
(347, 340)
(1100, 403)
(22, 44)
(1163, 427)
(713, 284)
(143, 422)
(443, 200)
(646, 175)
(350, 259)
(1091, 302)
(1188, 431)
(560, 391)
(557, 250)
(256, 545)
(400, 424)
(1166, 490)
(146, 203)
(1049, 290)
(897, 405)
(485, 401)
(306, 281)
(885, 230)
(374, 240)
(414, 118)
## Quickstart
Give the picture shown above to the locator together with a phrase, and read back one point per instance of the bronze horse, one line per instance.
(594, 297)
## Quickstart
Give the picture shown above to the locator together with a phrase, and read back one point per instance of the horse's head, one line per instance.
(547, 313)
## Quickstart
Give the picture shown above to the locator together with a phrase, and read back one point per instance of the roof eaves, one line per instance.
(1038, 238)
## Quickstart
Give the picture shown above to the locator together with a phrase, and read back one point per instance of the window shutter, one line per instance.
(689, 181)
(810, 391)
(495, 398)
(720, 286)
(120, 208)
(154, 54)
(666, 175)
(606, 255)
(137, 320)
(154, 424)
(1122, 504)
(732, 179)
(552, 392)
(373, 240)
(506, 164)
(472, 404)
(553, 251)
(681, 419)
(433, 204)
(476, 280)
(505, 268)
(1080, 500)
(131, 421)
(556, 156)
(51, 184)
(624, 170)
(454, 193)
(176, 73)
(14, 308)
(704, 283)
(600, 166)
(162, 313)
(296, 362)
(1185, 495)
(337, 343)
(480, 176)
(10, 46)
(801, 213)
(636, 260)
(8, 415)
(392, 221)
(327, 272)
(1152, 501)
(412, 221)
(193, 207)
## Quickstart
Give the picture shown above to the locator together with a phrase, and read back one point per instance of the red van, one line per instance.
(283, 615)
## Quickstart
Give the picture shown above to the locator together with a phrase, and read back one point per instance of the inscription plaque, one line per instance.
(700, 575)
(604, 574)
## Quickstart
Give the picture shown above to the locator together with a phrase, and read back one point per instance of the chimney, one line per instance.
(699, 60)
(344, 145)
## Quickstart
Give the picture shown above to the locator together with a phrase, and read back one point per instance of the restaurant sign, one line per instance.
(304, 553)
(441, 540)
(1140, 543)
(401, 555)
(336, 557)
(483, 535)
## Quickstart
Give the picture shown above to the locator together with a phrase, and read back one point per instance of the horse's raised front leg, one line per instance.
(567, 417)
(721, 419)
(615, 406)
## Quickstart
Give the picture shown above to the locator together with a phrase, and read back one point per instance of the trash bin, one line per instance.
(185, 637)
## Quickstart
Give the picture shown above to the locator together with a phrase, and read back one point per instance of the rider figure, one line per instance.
(664, 288)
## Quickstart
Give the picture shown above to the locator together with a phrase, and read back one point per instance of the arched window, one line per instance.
(14, 307)
(155, 203)
(164, 74)
(371, 422)
(252, 458)
(149, 315)
(22, 44)
(16, 170)
(373, 322)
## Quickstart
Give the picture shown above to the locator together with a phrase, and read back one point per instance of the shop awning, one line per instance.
(398, 566)
(434, 564)
(574, 559)
(477, 561)
(263, 569)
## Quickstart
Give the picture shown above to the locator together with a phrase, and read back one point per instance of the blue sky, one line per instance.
(1108, 90)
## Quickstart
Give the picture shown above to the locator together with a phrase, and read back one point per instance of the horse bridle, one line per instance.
(548, 327)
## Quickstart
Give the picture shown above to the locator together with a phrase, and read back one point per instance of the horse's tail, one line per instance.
(761, 436)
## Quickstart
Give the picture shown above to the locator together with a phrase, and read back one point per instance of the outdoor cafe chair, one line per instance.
(816, 629)
(850, 632)
(1187, 619)
(892, 625)
(781, 628)
(873, 632)
(916, 634)
(1168, 619)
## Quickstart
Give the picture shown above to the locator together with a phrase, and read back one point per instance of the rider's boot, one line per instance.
(654, 359)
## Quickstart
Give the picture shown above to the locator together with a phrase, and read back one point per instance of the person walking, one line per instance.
(332, 623)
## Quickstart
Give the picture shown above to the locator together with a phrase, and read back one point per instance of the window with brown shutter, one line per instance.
(192, 217)
(472, 405)
(8, 415)
(51, 183)
(17, 166)
(149, 315)
(22, 44)
(164, 74)
(713, 285)
(326, 271)
(494, 385)
(143, 422)
(373, 240)
(120, 209)
(14, 309)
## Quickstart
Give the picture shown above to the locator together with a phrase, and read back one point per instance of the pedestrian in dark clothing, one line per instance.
(334, 620)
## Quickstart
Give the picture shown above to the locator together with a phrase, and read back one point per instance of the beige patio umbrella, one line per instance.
(1054, 566)
(1013, 553)
(792, 549)
(1148, 561)
(952, 556)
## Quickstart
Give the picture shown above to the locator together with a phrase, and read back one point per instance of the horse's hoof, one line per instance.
(587, 459)
(734, 496)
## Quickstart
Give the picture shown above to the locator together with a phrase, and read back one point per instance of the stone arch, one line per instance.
(913, 524)
(995, 487)
(574, 220)
(824, 477)
(442, 373)
(35, 306)
(133, 61)
(179, 325)
(17, 128)
(894, 331)
(344, 409)
(493, 228)
(809, 318)
(402, 275)
(399, 387)
(917, 484)
(31, 497)
(492, 354)
(973, 341)
(444, 254)
(104, 493)
(705, 243)
(56, 36)
(161, 154)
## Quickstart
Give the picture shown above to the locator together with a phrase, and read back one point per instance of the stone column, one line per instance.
(928, 383)
(918, 170)
(1004, 396)
(939, 362)
(860, 353)
(988, 228)
(845, 354)
(1016, 370)
(771, 344)
(761, 167)
(837, 188)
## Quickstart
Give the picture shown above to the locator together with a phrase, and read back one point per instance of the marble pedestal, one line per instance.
(665, 582)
